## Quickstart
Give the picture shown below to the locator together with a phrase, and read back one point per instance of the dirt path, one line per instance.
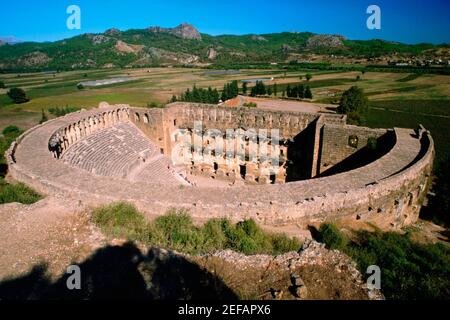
(52, 231)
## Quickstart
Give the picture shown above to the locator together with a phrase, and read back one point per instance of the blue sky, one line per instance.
(406, 21)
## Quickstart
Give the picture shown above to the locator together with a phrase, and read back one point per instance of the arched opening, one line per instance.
(272, 178)
(242, 170)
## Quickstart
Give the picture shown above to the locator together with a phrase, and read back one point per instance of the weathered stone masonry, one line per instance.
(387, 191)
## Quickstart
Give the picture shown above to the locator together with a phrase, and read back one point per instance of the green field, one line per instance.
(434, 115)
(49, 90)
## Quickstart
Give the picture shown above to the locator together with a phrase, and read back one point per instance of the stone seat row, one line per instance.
(113, 151)
(158, 171)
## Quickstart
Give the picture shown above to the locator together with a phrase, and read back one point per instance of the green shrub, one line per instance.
(252, 239)
(17, 193)
(17, 95)
(174, 221)
(213, 234)
(120, 220)
(176, 230)
(331, 236)
(250, 228)
(409, 270)
(282, 243)
(12, 131)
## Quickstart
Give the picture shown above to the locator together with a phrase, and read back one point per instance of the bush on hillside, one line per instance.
(331, 236)
(176, 230)
(409, 270)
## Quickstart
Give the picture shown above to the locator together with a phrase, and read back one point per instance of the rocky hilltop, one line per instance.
(184, 31)
(112, 32)
(325, 40)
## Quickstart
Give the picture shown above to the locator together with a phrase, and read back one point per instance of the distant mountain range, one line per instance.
(184, 44)
(9, 40)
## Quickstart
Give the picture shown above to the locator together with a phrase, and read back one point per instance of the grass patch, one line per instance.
(17, 193)
(61, 111)
(9, 134)
(389, 117)
(5, 100)
(402, 89)
(409, 77)
(153, 105)
(176, 230)
(409, 270)
(52, 90)
(428, 106)
(120, 220)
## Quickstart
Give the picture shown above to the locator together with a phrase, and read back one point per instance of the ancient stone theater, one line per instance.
(279, 168)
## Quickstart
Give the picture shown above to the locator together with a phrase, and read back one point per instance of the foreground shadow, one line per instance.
(123, 272)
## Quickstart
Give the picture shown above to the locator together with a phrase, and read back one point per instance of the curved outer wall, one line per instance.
(387, 192)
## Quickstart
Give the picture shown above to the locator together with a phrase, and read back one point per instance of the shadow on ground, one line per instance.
(122, 272)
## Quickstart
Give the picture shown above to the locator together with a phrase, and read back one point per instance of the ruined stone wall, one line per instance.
(150, 122)
(299, 130)
(338, 142)
(311, 143)
(392, 202)
(87, 124)
(389, 201)
(241, 155)
(222, 118)
(387, 191)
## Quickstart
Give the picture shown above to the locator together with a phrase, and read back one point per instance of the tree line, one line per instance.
(209, 95)
(299, 91)
(200, 95)
(231, 90)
